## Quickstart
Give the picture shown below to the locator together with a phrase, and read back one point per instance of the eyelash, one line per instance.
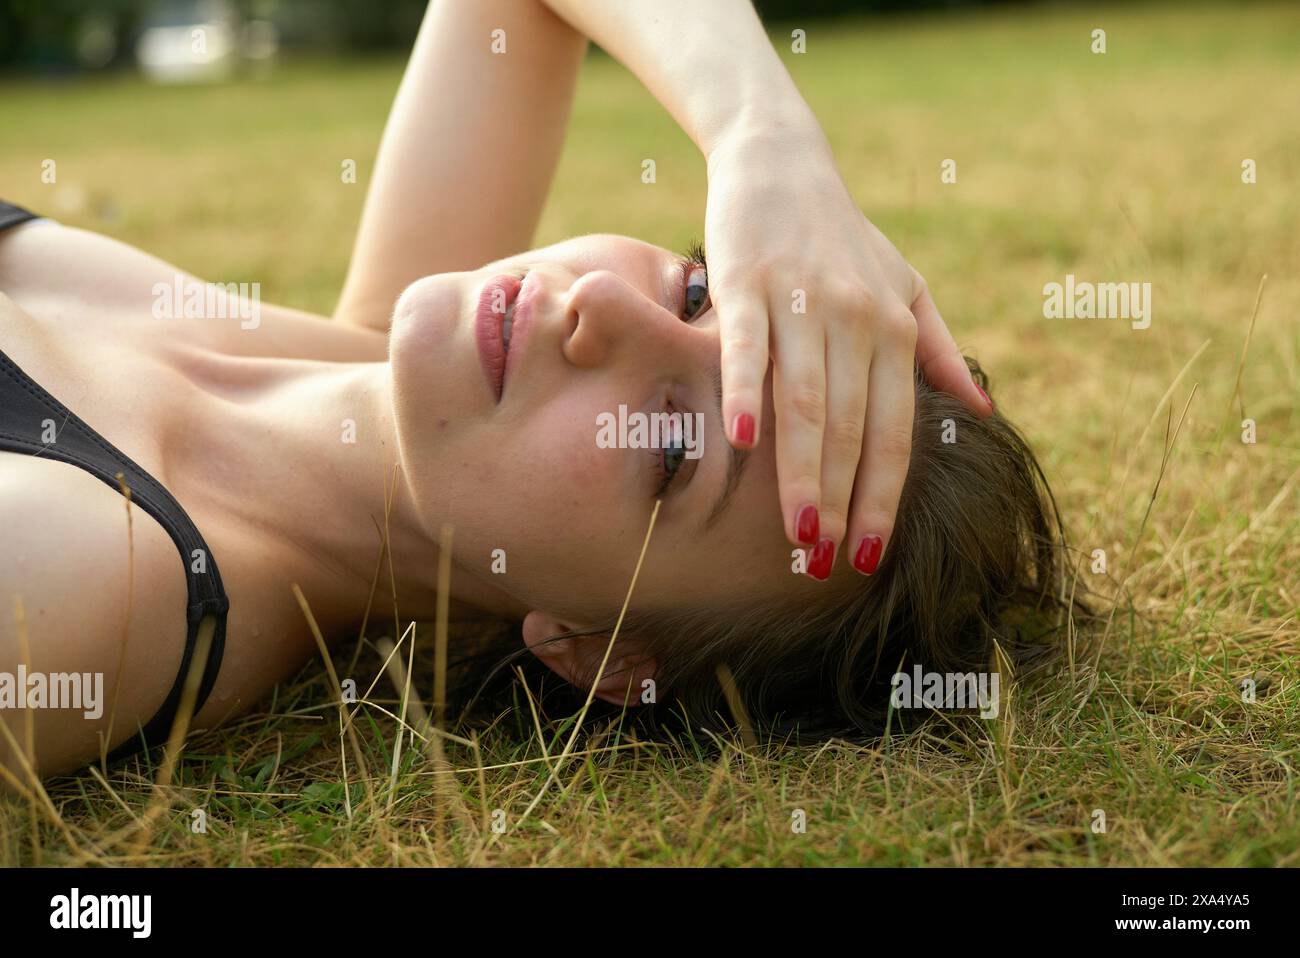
(693, 259)
(661, 462)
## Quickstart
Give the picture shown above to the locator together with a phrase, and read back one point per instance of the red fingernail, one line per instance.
(986, 397)
(819, 561)
(743, 429)
(867, 557)
(807, 525)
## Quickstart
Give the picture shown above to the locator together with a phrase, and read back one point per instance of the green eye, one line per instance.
(697, 292)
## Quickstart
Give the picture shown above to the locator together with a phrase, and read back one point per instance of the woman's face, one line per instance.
(600, 322)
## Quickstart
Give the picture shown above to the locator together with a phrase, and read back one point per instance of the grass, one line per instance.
(1123, 166)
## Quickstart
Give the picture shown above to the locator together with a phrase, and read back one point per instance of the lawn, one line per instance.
(1122, 166)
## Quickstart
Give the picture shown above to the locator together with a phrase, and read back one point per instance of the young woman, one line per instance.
(164, 481)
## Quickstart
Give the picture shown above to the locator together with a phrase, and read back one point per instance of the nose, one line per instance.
(606, 314)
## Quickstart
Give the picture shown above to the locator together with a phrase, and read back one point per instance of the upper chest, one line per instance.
(104, 329)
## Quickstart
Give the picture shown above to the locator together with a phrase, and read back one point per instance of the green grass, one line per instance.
(1122, 166)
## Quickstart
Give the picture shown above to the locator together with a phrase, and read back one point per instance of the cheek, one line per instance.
(565, 511)
(563, 487)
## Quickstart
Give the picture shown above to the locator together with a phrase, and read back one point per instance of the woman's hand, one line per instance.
(796, 270)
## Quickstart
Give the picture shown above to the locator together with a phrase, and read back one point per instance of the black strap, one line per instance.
(11, 215)
(29, 416)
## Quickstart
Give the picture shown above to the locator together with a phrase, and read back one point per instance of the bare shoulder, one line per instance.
(68, 277)
(39, 258)
(70, 551)
(85, 593)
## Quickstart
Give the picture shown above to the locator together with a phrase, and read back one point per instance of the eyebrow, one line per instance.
(735, 464)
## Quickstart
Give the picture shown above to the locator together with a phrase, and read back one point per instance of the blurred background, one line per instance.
(60, 36)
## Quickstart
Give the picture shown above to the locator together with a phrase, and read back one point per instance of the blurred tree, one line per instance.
(45, 34)
(50, 35)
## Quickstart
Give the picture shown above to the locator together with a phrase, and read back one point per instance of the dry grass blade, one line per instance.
(600, 672)
(1245, 346)
(345, 721)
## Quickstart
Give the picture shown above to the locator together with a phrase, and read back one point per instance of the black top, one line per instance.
(11, 215)
(29, 416)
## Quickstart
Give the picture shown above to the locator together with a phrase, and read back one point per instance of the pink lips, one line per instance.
(497, 296)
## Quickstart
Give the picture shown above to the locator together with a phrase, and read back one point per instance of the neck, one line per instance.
(305, 453)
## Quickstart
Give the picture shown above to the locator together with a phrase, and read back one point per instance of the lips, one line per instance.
(494, 328)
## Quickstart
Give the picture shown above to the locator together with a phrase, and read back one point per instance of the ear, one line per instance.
(576, 657)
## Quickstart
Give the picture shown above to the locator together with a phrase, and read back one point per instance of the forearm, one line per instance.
(710, 64)
(469, 149)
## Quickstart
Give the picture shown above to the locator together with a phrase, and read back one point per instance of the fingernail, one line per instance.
(867, 557)
(742, 430)
(819, 561)
(986, 397)
(807, 525)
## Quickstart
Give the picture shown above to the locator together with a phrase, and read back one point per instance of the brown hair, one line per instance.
(977, 557)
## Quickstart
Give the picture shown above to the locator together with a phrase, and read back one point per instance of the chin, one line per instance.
(429, 330)
(429, 307)
(436, 382)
